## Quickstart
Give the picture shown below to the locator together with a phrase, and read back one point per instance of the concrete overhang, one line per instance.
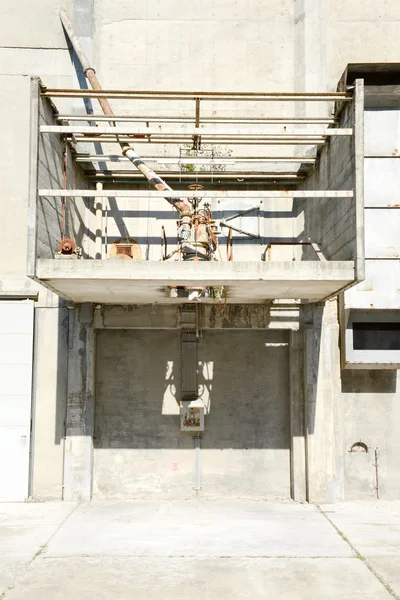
(142, 282)
(381, 83)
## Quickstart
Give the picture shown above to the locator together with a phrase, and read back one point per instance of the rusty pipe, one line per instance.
(181, 205)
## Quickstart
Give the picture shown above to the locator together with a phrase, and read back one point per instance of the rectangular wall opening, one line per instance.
(376, 336)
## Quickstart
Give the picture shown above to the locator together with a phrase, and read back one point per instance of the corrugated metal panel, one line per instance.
(16, 340)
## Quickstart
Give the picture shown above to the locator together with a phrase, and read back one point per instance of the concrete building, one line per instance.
(267, 370)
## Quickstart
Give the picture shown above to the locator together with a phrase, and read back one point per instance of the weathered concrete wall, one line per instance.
(49, 210)
(261, 45)
(380, 290)
(246, 445)
(49, 369)
(78, 455)
(142, 219)
(332, 33)
(257, 442)
(50, 395)
(371, 415)
(332, 223)
(344, 408)
(14, 160)
(201, 45)
(139, 449)
(323, 416)
(210, 316)
(358, 32)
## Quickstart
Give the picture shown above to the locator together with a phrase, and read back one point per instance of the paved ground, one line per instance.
(199, 550)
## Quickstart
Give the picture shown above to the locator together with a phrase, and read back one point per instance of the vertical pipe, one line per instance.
(99, 224)
(197, 477)
(197, 138)
(63, 202)
(33, 401)
(106, 228)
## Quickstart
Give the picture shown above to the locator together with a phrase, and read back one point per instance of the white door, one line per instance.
(16, 349)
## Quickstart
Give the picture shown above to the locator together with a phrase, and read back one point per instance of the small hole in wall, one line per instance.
(359, 447)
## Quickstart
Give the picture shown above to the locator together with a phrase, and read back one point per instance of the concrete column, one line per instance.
(324, 423)
(49, 404)
(78, 460)
(297, 421)
(310, 53)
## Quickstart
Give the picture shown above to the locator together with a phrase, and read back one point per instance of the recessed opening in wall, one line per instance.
(376, 336)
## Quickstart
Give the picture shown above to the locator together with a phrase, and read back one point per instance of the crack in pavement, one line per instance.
(360, 556)
(21, 572)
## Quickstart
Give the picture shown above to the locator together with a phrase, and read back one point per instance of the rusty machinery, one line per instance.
(196, 230)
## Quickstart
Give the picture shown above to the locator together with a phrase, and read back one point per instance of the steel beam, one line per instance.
(177, 95)
(175, 119)
(192, 194)
(199, 161)
(199, 175)
(191, 131)
(205, 139)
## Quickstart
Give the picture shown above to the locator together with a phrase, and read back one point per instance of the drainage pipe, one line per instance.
(197, 466)
(182, 205)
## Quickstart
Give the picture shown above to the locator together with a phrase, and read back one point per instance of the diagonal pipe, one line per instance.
(182, 205)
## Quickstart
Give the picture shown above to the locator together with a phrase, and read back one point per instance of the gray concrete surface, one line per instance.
(197, 549)
(138, 448)
(24, 530)
(374, 531)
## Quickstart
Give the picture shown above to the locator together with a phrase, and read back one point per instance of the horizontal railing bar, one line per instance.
(172, 119)
(241, 142)
(190, 132)
(178, 95)
(192, 160)
(192, 194)
(203, 174)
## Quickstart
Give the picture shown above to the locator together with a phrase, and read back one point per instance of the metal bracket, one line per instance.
(241, 214)
(314, 246)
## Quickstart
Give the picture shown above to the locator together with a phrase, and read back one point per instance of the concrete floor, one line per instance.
(199, 549)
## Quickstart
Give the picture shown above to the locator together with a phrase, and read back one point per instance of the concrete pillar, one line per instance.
(324, 422)
(297, 420)
(310, 54)
(50, 398)
(78, 461)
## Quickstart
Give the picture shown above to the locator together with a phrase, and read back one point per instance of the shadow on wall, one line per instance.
(62, 372)
(369, 381)
(243, 379)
